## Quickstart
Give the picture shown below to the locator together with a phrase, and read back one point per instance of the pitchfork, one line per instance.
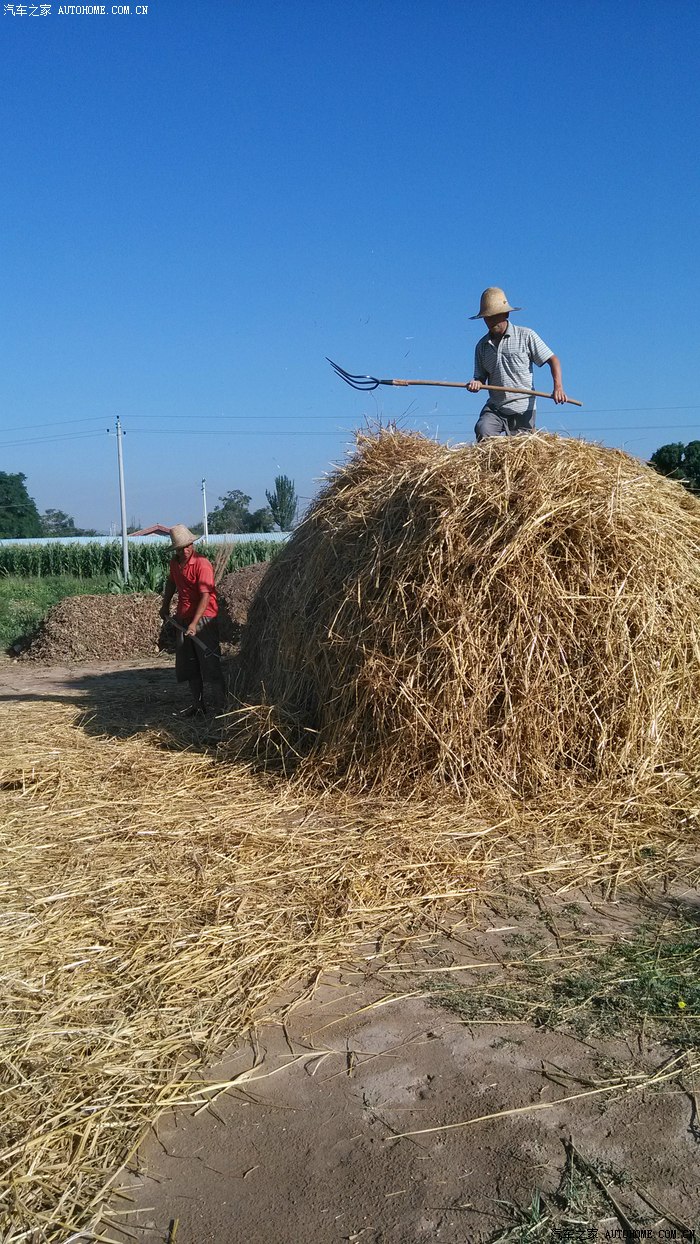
(366, 383)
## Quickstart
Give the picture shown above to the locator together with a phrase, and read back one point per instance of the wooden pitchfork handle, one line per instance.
(493, 388)
(199, 642)
(365, 384)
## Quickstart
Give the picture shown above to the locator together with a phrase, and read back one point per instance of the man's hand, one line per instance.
(475, 385)
(559, 395)
(191, 630)
(165, 612)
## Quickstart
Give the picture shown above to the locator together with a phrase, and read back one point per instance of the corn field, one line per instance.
(90, 561)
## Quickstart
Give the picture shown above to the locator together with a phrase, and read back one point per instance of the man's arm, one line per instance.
(199, 613)
(558, 390)
(168, 593)
(479, 375)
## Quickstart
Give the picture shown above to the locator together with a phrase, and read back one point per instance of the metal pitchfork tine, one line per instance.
(357, 382)
(367, 383)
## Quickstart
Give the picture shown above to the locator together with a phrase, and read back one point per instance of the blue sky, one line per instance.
(200, 203)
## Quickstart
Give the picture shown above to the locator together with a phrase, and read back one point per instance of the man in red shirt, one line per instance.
(192, 578)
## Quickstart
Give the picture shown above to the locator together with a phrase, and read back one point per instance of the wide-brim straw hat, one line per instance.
(181, 536)
(493, 302)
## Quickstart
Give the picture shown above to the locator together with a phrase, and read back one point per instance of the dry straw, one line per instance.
(155, 902)
(155, 899)
(516, 618)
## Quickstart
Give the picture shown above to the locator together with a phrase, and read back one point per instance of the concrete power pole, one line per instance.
(122, 500)
(204, 504)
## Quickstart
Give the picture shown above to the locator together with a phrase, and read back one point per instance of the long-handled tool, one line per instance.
(200, 643)
(366, 383)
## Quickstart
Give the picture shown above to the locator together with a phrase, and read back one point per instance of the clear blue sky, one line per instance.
(200, 203)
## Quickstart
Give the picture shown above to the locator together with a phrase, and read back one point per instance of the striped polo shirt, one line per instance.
(510, 362)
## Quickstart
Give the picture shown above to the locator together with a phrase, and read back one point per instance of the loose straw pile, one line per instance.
(511, 618)
(155, 901)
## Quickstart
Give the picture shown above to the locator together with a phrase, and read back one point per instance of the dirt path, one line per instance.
(307, 1147)
(308, 1144)
(27, 678)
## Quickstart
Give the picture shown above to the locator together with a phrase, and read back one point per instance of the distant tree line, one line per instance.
(20, 518)
(681, 462)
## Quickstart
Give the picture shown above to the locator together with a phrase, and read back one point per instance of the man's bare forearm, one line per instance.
(557, 384)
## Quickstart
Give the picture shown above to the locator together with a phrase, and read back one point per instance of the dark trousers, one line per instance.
(193, 662)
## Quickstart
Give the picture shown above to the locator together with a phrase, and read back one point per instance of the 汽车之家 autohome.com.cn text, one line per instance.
(74, 10)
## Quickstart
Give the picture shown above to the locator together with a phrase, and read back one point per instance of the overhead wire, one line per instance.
(42, 440)
(637, 432)
(194, 424)
(55, 423)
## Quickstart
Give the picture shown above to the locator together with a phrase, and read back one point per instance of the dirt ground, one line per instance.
(359, 1113)
(309, 1143)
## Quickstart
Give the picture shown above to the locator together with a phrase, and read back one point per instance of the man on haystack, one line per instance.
(505, 357)
(197, 651)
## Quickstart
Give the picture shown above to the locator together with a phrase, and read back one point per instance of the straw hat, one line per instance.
(493, 302)
(181, 536)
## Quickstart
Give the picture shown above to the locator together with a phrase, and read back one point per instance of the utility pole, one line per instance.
(122, 501)
(204, 504)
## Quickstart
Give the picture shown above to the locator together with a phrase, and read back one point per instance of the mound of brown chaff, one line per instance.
(513, 619)
(97, 628)
(157, 898)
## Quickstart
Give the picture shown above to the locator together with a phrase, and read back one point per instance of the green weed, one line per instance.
(652, 978)
(570, 1215)
(152, 579)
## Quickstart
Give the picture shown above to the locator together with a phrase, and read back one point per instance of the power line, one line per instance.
(53, 423)
(593, 410)
(619, 410)
(193, 429)
(570, 430)
(42, 440)
(605, 427)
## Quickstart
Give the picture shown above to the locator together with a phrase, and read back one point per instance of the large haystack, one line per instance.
(519, 615)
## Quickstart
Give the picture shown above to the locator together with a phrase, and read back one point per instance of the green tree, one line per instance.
(259, 520)
(230, 514)
(58, 523)
(692, 464)
(679, 461)
(283, 502)
(19, 517)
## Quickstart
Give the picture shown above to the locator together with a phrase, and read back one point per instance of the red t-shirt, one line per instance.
(195, 577)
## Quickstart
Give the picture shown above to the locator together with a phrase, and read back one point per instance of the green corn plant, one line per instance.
(93, 560)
